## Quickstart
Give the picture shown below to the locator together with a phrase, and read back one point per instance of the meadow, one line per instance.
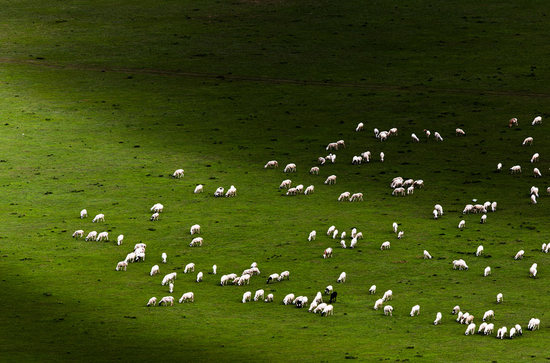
(101, 101)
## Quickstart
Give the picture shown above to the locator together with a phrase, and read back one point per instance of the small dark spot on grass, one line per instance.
(47, 294)
(151, 229)
(136, 146)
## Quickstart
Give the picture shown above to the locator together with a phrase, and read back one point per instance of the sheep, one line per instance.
(78, 233)
(460, 132)
(321, 160)
(533, 199)
(376, 132)
(415, 310)
(414, 138)
(388, 310)
(513, 122)
(83, 213)
(382, 136)
(544, 247)
(300, 301)
(259, 295)
(459, 316)
(199, 276)
(418, 183)
(438, 136)
(271, 164)
(290, 168)
(343, 243)
(343, 235)
(548, 190)
(332, 146)
(166, 300)
(284, 275)
(155, 216)
(398, 191)
(195, 229)
(157, 208)
(487, 271)
(219, 192)
(534, 324)
(121, 266)
(438, 318)
(119, 239)
(385, 246)
(231, 192)
(499, 166)
(366, 156)
(330, 180)
(140, 256)
(335, 234)
(269, 298)
(388, 295)
(400, 234)
(381, 157)
(479, 250)
(372, 290)
(410, 190)
(501, 333)
(91, 236)
(288, 299)
(535, 158)
(188, 296)
(536, 173)
(272, 277)
(455, 310)
(396, 182)
(487, 205)
(459, 264)
(427, 133)
(131, 257)
(489, 314)
(99, 218)
(330, 230)
(356, 197)
(537, 121)
(190, 267)
(344, 196)
(331, 157)
(359, 127)
(313, 305)
(482, 328)
(435, 213)
(518, 329)
(154, 270)
(312, 236)
(527, 141)
(178, 173)
(394, 227)
(170, 287)
(533, 270)
(197, 241)
(328, 289)
(292, 191)
(378, 304)
(408, 182)
(512, 333)
(224, 280)
(516, 169)
(427, 255)
(152, 301)
(519, 255)
(353, 232)
(163, 257)
(439, 209)
(198, 189)
(318, 297)
(483, 219)
(494, 207)
(535, 191)
(359, 235)
(471, 329)
(499, 298)
(246, 297)
(319, 308)
(489, 329)
(468, 208)
(103, 236)
(309, 190)
(314, 170)
(461, 224)
(341, 278)
(356, 160)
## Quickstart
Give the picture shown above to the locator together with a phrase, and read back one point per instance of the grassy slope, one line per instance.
(80, 132)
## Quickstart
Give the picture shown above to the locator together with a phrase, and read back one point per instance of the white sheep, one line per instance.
(378, 304)
(353, 242)
(292, 191)
(131, 257)
(178, 173)
(483, 219)
(271, 164)
(231, 192)
(327, 253)
(219, 192)
(438, 318)
(259, 295)
(171, 287)
(300, 188)
(489, 329)
(78, 233)
(459, 316)
(198, 189)
(152, 301)
(487, 271)
(99, 218)
(410, 190)
(91, 236)
(482, 328)
(341, 278)
(195, 229)
(414, 138)
(121, 266)
(343, 235)
(366, 156)
(460, 132)
(330, 230)
(314, 170)
(385, 246)
(83, 213)
(536, 173)
(381, 157)
(513, 122)
(501, 333)
(479, 250)
(331, 180)
(535, 191)
(489, 314)
(535, 157)
(359, 127)
(537, 121)
(343, 243)
(313, 305)
(499, 297)
(188, 296)
(494, 207)
(155, 216)
(438, 136)
(439, 209)
(455, 310)
(471, 329)
(320, 308)
(356, 160)
(157, 208)
(284, 275)
(512, 333)
(246, 297)
(328, 289)
(516, 169)
(269, 298)
(344, 196)
(533, 199)
(190, 267)
(518, 329)
(197, 241)
(427, 255)
(400, 234)
(415, 310)
(154, 270)
(533, 270)
(167, 300)
(388, 310)
(372, 290)
(328, 310)
(527, 141)
(461, 224)
(288, 299)
(359, 235)
(290, 168)
(399, 191)
(309, 190)
(163, 257)
(103, 236)
(499, 166)
(435, 213)
(199, 276)
(388, 295)
(356, 197)
(519, 255)
(312, 236)
(119, 239)
(321, 160)
(418, 183)
(427, 133)
(394, 227)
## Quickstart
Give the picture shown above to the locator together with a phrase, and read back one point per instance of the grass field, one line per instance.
(102, 101)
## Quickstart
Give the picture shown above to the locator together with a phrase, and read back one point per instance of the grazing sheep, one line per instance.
(501, 333)
(309, 190)
(155, 270)
(152, 301)
(195, 229)
(534, 324)
(527, 141)
(103, 236)
(199, 276)
(157, 208)
(494, 207)
(548, 190)
(372, 290)
(155, 217)
(269, 298)
(381, 157)
(536, 173)
(231, 192)
(437, 136)
(190, 267)
(271, 164)
(461, 224)
(330, 230)
(483, 219)
(99, 218)
(168, 278)
(272, 277)
(388, 295)
(332, 146)
(459, 264)
(78, 233)
(535, 157)
(300, 301)
(188, 296)
(246, 297)
(519, 255)
(119, 239)
(512, 333)
(343, 243)
(319, 308)
(356, 160)
(259, 295)
(385, 246)
(197, 241)
(398, 191)
(343, 235)
(418, 183)
(435, 213)
(290, 168)
(487, 271)
(499, 166)
(121, 266)
(328, 289)
(427, 133)
(164, 257)
(533, 270)
(344, 196)
(513, 122)
(414, 138)
(335, 234)
(516, 169)
(91, 236)
(383, 135)
(366, 156)
(400, 234)
(321, 160)
(489, 314)
(328, 310)
(314, 170)
(285, 184)
(292, 191)
(313, 305)
(479, 250)
(455, 310)
(131, 257)
(83, 213)
(356, 197)
(499, 297)
(394, 227)
(198, 189)
(459, 316)
(489, 329)
(167, 300)
(518, 329)
(331, 180)
(535, 191)
(170, 287)
(438, 318)
(439, 209)
(359, 127)
(359, 235)
(537, 121)
(482, 328)
(533, 199)
(178, 173)
(341, 278)
(415, 310)
(378, 304)
(284, 275)
(471, 329)
(388, 310)
(318, 297)
(468, 208)
(219, 192)
(460, 132)
(312, 236)
(427, 255)
(288, 299)
(410, 190)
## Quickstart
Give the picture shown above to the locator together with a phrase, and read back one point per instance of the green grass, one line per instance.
(75, 137)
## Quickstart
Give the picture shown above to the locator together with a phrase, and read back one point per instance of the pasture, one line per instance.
(102, 101)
